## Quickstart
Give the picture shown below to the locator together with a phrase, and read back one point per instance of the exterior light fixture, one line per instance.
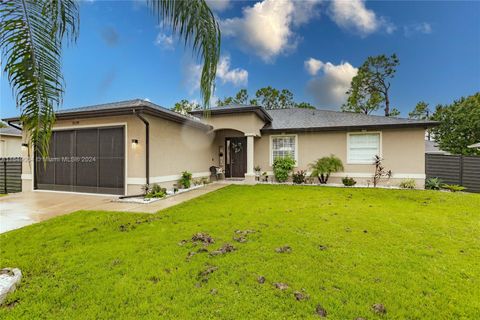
(134, 143)
(24, 146)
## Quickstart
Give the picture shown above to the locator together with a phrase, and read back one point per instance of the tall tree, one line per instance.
(304, 105)
(370, 87)
(240, 98)
(420, 112)
(32, 33)
(459, 125)
(184, 106)
(268, 97)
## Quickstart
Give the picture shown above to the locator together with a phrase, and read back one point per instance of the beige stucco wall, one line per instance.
(10, 146)
(173, 148)
(403, 151)
(248, 123)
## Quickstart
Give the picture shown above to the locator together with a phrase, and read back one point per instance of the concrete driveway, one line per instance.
(21, 209)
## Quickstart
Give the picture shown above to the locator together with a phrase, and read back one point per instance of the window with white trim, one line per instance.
(362, 147)
(283, 146)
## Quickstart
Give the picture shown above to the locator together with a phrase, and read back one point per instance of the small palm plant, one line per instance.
(323, 167)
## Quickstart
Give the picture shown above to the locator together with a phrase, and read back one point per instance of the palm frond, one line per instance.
(195, 23)
(31, 36)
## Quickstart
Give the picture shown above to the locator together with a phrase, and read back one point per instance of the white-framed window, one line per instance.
(284, 145)
(362, 147)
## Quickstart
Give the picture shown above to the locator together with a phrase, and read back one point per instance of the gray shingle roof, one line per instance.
(310, 119)
(9, 131)
(125, 107)
(124, 104)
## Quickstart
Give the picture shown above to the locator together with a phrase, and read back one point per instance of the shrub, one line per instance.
(282, 168)
(299, 177)
(186, 179)
(323, 167)
(155, 191)
(408, 184)
(348, 182)
(433, 184)
(453, 187)
(380, 171)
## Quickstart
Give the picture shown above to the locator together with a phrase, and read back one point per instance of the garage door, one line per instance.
(84, 160)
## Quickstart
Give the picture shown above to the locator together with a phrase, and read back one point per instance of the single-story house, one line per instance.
(116, 148)
(10, 142)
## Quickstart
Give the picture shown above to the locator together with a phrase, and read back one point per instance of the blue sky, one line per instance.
(310, 47)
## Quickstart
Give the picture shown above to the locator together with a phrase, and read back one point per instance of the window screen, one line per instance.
(362, 148)
(283, 146)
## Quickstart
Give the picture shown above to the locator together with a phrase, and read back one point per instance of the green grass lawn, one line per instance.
(415, 252)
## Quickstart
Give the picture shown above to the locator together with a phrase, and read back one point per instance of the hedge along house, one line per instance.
(116, 148)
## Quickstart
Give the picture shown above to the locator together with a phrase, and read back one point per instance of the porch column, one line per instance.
(250, 175)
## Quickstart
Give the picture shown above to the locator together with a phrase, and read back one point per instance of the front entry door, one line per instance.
(236, 157)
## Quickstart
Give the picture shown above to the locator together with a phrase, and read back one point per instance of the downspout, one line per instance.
(147, 145)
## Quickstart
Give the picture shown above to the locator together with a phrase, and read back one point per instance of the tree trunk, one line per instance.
(387, 105)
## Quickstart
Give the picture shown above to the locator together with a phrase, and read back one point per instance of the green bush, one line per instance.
(433, 184)
(348, 182)
(323, 167)
(299, 177)
(186, 179)
(155, 191)
(408, 184)
(453, 187)
(282, 168)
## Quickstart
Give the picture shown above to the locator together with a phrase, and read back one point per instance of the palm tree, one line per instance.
(323, 167)
(32, 33)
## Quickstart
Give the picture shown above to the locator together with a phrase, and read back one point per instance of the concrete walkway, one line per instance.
(21, 209)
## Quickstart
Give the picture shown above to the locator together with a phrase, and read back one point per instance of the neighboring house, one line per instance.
(10, 142)
(431, 147)
(118, 147)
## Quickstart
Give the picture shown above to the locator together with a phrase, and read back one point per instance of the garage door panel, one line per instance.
(87, 143)
(85, 160)
(112, 143)
(109, 170)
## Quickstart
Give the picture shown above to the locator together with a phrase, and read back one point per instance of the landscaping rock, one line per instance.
(300, 296)
(226, 248)
(319, 310)
(261, 279)
(284, 249)
(379, 308)
(9, 279)
(204, 238)
(280, 285)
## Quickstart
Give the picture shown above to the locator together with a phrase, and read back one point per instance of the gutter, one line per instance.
(147, 144)
(14, 125)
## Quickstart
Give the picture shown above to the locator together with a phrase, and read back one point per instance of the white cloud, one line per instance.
(164, 41)
(353, 14)
(191, 77)
(265, 29)
(192, 74)
(424, 28)
(329, 89)
(218, 5)
(313, 66)
(235, 76)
